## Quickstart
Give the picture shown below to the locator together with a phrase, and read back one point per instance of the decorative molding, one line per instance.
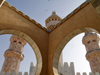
(14, 53)
(25, 16)
(93, 53)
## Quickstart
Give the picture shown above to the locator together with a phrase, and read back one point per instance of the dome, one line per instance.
(52, 20)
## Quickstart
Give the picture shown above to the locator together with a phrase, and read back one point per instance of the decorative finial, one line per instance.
(53, 12)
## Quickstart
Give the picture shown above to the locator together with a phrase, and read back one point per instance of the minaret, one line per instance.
(52, 20)
(13, 55)
(91, 42)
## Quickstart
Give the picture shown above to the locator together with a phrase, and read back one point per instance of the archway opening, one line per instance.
(74, 53)
(29, 55)
(30, 48)
(70, 52)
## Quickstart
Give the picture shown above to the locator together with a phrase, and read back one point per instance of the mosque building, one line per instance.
(13, 55)
(48, 48)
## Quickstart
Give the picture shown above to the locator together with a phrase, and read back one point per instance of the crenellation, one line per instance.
(32, 69)
(72, 70)
(66, 70)
(84, 73)
(14, 73)
(52, 27)
(26, 73)
(90, 73)
(78, 73)
(24, 15)
(19, 73)
(8, 73)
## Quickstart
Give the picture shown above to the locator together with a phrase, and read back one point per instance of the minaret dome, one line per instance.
(52, 20)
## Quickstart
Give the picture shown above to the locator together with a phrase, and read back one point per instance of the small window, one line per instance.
(15, 41)
(88, 42)
(20, 42)
(52, 19)
(94, 40)
(55, 19)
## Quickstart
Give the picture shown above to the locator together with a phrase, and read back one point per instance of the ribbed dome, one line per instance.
(52, 20)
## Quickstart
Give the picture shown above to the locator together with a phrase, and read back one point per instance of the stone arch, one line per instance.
(32, 44)
(63, 43)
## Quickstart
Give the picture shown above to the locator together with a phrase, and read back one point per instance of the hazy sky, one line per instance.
(40, 10)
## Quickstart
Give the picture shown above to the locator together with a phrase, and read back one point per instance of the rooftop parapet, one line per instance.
(55, 26)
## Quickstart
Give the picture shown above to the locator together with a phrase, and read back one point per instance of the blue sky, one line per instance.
(39, 10)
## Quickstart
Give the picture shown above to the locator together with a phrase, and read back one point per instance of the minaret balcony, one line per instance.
(14, 53)
(93, 53)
